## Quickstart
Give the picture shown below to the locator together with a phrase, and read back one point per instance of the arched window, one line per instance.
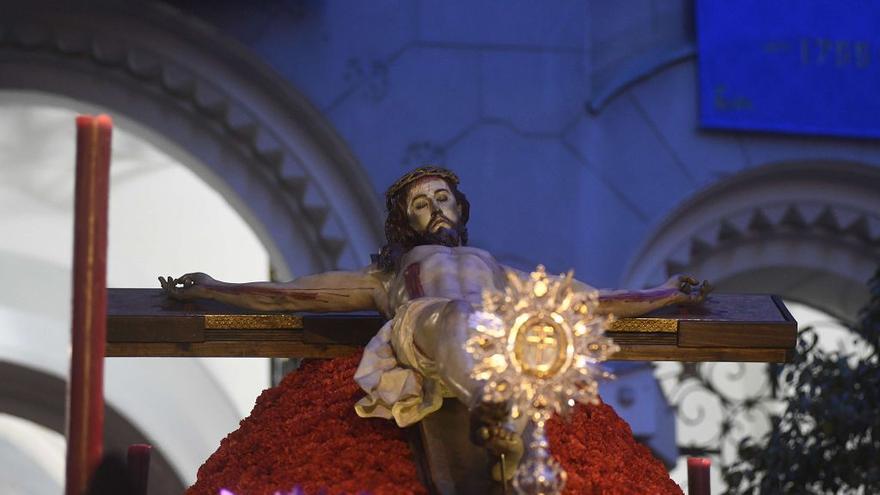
(806, 231)
(163, 218)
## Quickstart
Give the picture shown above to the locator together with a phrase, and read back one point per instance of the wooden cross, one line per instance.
(145, 323)
(726, 327)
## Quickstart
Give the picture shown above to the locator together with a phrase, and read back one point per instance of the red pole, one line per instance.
(698, 475)
(85, 393)
(139, 467)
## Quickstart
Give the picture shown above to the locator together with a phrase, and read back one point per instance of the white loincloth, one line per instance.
(400, 381)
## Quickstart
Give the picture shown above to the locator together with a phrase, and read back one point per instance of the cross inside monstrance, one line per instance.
(541, 352)
(726, 327)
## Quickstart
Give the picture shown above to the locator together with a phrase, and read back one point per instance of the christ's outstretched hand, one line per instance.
(690, 291)
(186, 287)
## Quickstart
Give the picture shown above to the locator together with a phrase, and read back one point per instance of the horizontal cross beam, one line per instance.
(145, 323)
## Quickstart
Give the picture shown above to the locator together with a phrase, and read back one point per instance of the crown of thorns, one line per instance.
(402, 183)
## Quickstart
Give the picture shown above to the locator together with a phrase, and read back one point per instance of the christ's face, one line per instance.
(431, 206)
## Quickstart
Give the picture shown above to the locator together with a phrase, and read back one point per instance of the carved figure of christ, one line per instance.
(428, 283)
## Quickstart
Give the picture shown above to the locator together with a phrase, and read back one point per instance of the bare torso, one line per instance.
(448, 272)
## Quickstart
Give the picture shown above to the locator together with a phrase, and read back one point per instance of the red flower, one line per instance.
(305, 433)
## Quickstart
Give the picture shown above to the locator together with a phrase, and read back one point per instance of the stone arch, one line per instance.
(38, 396)
(809, 231)
(203, 98)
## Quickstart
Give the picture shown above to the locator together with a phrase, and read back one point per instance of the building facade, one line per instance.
(574, 126)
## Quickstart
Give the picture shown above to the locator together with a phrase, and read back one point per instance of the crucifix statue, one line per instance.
(428, 282)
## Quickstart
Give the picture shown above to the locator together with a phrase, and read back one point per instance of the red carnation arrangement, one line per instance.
(304, 433)
(598, 451)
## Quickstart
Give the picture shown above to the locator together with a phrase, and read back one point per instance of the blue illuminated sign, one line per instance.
(796, 66)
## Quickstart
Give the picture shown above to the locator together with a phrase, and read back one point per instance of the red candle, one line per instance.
(139, 467)
(85, 392)
(698, 475)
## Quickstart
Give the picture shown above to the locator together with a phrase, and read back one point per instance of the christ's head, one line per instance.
(424, 207)
(431, 206)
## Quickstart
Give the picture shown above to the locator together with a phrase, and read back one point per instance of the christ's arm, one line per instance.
(679, 289)
(623, 303)
(329, 291)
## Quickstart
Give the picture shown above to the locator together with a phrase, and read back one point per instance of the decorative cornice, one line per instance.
(826, 222)
(832, 204)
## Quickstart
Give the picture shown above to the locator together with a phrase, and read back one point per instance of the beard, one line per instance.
(401, 237)
(446, 236)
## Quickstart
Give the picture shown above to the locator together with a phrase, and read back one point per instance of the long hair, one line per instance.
(400, 237)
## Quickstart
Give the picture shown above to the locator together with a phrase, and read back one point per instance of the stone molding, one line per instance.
(216, 107)
(640, 69)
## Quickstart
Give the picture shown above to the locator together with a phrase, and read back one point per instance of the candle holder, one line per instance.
(537, 346)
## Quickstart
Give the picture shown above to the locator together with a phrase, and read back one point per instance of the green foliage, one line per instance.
(828, 438)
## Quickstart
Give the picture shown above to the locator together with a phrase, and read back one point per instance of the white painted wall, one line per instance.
(34, 454)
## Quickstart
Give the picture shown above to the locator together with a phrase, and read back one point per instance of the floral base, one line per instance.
(305, 433)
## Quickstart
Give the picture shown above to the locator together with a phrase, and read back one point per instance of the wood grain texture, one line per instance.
(698, 355)
(728, 334)
(236, 348)
(143, 322)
